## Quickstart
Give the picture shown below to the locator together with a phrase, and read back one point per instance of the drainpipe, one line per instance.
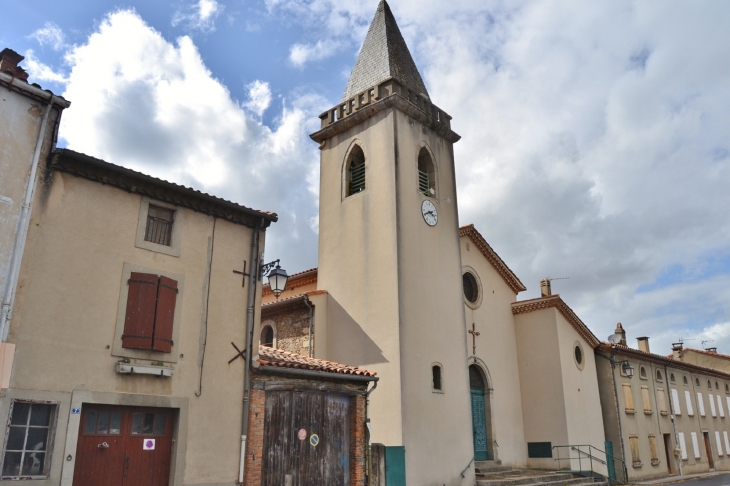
(368, 450)
(674, 426)
(311, 321)
(252, 279)
(22, 229)
(618, 412)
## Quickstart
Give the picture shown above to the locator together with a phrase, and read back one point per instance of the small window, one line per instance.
(426, 174)
(697, 382)
(579, 358)
(709, 385)
(436, 383)
(471, 287)
(642, 373)
(659, 376)
(727, 388)
(30, 431)
(355, 176)
(717, 386)
(150, 313)
(671, 378)
(686, 382)
(159, 225)
(267, 336)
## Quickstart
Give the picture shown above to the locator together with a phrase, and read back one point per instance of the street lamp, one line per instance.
(628, 369)
(277, 277)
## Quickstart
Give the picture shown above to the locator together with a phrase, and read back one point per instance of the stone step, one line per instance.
(501, 473)
(542, 480)
(493, 468)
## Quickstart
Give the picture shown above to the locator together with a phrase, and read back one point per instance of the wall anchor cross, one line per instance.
(474, 334)
(241, 354)
(243, 274)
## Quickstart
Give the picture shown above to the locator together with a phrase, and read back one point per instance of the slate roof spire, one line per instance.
(384, 54)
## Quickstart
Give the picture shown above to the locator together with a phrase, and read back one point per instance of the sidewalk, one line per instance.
(678, 478)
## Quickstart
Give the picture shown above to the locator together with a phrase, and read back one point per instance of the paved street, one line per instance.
(719, 480)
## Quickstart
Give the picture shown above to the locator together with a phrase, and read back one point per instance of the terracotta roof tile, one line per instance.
(502, 269)
(286, 359)
(525, 306)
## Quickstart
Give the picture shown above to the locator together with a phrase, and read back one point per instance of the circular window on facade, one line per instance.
(471, 287)
(578, 355)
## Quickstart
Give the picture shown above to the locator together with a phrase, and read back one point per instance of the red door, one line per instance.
(123, 446)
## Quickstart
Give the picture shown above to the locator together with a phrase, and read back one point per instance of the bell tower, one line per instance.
(389, 255)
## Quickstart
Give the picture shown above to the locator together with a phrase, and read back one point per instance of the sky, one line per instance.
(595, 135)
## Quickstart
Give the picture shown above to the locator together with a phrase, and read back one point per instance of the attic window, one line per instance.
(642, 373)
(159, 225)
(709, 385)
(717, 386)
(355, 176)
(671, 378)
(659, 376)
(727, 388)
(426, 174)
(697, 382)
(684, 379)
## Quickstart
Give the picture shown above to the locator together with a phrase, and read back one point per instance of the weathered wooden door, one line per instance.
(306, 439)
(123, 446)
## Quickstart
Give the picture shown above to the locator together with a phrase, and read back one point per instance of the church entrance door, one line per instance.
(478, 414)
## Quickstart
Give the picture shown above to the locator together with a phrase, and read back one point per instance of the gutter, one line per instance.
(618, 413)
(30, 90)
(319, 374)
(21, 233)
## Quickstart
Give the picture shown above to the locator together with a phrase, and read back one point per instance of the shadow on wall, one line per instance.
(347, 342)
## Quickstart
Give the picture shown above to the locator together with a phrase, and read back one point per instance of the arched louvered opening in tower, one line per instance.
(426, 173)
(355, 172)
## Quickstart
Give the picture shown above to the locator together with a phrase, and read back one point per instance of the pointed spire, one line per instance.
(384, 54)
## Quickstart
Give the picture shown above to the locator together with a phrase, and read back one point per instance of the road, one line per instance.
(719, 480)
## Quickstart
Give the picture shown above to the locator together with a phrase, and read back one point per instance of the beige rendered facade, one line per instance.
(30, 118)
(671, 418)
(707, 358)
(87, 237)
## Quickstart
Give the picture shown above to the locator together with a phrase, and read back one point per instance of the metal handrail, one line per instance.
(583, 455)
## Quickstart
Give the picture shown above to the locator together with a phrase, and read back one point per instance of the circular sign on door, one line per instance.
(314, 440)
(302, 434)
(148, 445)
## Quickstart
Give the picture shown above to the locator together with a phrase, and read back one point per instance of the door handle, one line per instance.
(103, 445)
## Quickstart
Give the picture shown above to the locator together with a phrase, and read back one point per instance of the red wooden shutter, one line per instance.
(165, 314)
(139, 322)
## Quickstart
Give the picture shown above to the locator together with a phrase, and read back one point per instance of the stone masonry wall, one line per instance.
(291, 330)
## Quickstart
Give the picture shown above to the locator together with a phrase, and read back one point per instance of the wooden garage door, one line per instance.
(306, 439)
(123, 446)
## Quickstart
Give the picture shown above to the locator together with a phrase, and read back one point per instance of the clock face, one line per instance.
(430, 216)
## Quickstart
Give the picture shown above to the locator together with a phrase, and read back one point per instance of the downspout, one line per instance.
(21, 233)
(618, 412)
(368, 449)
(252, 279)
(671, 415)
(311, 322)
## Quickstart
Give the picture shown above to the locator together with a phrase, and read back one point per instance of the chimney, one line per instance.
(643, 344)
(545, 290)
(620, 331)
(9, 60)
(677, 351)
(711, 350)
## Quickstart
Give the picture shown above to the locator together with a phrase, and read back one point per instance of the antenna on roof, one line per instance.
(707, 341)
(545, 288)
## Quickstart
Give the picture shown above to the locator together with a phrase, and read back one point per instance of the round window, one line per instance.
(578, 355)
(471, 288)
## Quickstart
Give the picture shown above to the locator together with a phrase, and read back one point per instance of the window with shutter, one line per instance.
(628, 398)
(719, 406)
(719, 443)
(688, 399)
(661, 401)
(355, 171)
(701, 404)
(727, 442)
(645, 399)
(150, 312)
(426, 173)
(675, 402)
(695, 446)
(711, 399)
(653, 450)
(635, 456)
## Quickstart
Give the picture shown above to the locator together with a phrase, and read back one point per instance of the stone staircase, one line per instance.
(492, 473)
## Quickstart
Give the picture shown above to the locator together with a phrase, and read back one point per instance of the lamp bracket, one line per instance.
(266, 268)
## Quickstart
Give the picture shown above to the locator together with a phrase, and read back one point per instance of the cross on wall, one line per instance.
(474, 334)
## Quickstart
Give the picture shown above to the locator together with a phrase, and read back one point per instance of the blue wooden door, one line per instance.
(479, 424)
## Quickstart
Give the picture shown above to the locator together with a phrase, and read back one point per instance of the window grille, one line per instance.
(159, 225)
(357, 178)
(424, 184)
(26, 443)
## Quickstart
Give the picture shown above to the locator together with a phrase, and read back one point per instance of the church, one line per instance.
(467, 371)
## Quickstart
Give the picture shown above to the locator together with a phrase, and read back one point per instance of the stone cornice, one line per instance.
(388, 94)
(502, 269)
(570, 316)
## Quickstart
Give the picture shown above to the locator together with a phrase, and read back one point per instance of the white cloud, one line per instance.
(259, 94)
(199, 16)
(143, 102)
(300, 54)
(595, 142)
(38, 71)
(50, 34)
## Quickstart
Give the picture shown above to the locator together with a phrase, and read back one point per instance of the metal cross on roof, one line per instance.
(474, 334)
